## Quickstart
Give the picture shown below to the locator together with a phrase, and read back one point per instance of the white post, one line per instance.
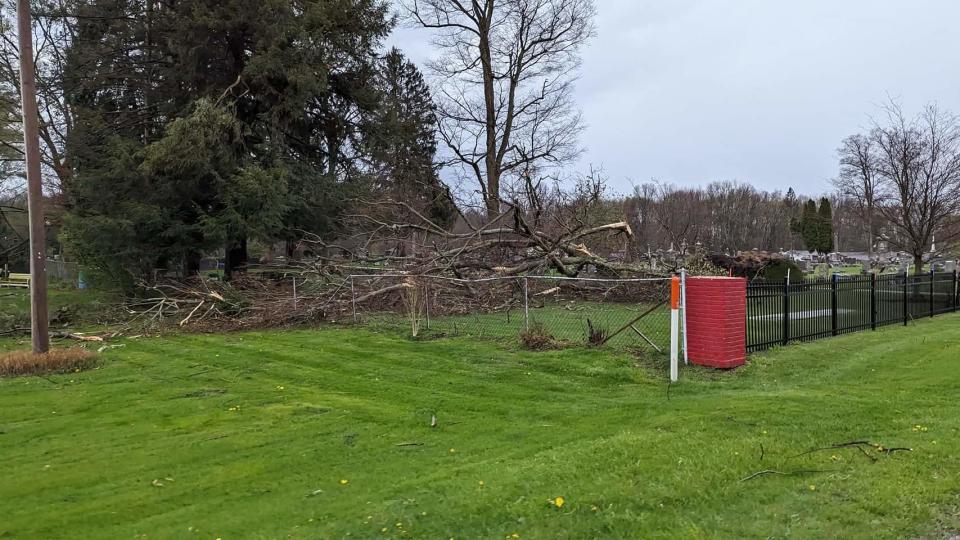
(674, 329)
(683, 306)
(294, 292)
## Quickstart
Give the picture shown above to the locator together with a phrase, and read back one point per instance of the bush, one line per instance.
(21, 363)
(753, 264)
(596, 335)
(536, 338)
(778, 269)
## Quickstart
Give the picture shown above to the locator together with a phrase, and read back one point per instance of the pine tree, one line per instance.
(807, 227)
(825, 226)
(295, 77)
(815, 226)
(401, 135)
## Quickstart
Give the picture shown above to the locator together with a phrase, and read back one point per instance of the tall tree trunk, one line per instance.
(490, 162)
(191, 264)
(236, 258)
(918, 263)
(290, 249)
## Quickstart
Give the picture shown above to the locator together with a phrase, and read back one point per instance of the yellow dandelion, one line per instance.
(481, 483)
(344, 482)
(813, 487)
(279, 388)
(559, 502)
(453, 450)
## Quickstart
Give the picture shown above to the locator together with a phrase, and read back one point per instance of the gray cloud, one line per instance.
(690, 91)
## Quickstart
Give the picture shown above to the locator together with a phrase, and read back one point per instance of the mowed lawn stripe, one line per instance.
(596, 427)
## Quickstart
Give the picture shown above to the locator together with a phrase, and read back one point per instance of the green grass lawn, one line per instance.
(326, 434)
(77, 306)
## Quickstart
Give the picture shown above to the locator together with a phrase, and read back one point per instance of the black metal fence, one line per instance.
(783, 312)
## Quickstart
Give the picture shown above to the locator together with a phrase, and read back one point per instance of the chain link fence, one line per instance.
(629, 313)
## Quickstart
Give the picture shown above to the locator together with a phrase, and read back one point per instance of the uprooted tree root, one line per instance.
(26, 363)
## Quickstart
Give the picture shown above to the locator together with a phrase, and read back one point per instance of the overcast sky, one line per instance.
(761, 91)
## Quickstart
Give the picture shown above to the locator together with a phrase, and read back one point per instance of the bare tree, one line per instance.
(858, 180)
(918, 164)
(53, 32)
(504, 82)
(680, 214)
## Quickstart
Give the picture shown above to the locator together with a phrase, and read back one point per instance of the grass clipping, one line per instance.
(25, 363)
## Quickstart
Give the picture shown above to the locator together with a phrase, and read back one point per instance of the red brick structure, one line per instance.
(717, 321)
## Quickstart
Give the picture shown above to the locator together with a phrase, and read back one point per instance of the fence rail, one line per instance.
(780, 313)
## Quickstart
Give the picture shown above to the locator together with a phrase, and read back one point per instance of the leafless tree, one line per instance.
(681, 214)
(53, 32)
(858, 180)
(918, 164)
(504, 83)
(724, 217)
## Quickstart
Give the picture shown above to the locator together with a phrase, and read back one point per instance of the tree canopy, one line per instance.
(207, 123)
(815, 226)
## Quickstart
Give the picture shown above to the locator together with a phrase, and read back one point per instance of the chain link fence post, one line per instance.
(353, 300)
(426, 301)
(526, 304)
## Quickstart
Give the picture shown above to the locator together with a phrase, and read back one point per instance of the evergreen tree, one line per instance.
(401, 136)
(815, 226)
(295, 78)
(825, 226)
(791, 209)
(806, 225)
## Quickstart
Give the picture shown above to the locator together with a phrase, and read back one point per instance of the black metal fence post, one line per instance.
(786, 310)
(906, 278)
(873, 301)
(932, 276)
(833, 305)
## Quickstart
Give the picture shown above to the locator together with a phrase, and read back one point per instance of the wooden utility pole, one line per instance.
(31, 138)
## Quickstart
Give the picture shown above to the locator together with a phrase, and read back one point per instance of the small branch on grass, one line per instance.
(78, 337)
(859, 444)
(783, 473)
(406, 444)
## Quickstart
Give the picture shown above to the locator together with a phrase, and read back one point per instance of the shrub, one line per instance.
(596, 335)
(22, 363)
(536, 338)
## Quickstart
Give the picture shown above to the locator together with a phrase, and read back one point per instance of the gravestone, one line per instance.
(950, 266)
(903, 267)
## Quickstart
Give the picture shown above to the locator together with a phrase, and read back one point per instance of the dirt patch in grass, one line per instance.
(25, 363)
